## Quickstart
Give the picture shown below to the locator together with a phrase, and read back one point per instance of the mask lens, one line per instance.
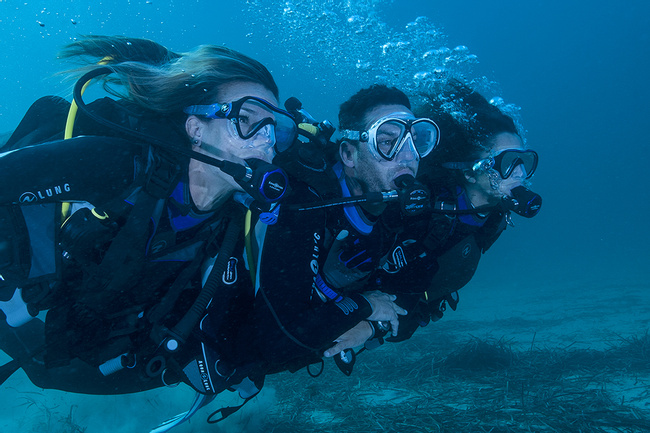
(508, 160)
(425, 136)
(252, 116)
(285, 131)
(255, 114)
(388, 137)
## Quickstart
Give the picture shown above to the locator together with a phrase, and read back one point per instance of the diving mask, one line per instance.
(387, 136)
(506, 161)
(249, 115)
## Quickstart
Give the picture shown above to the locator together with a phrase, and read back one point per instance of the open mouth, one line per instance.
(401, 173)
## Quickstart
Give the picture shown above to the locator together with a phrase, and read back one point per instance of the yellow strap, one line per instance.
(72, 112)
(248, 237)
(313, 130)
(72, 115)
(65, 212)
(69, 126)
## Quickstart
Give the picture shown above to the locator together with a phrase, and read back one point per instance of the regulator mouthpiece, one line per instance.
(267, 183)
(523, 202)
(413, 196)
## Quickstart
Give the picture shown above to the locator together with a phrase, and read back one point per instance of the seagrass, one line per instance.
(442, 384)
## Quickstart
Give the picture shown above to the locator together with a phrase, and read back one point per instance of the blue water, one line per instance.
(578, 71)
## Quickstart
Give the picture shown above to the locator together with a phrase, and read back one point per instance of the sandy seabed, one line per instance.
(566, 359)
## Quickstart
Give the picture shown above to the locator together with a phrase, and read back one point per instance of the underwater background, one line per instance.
(576, 74)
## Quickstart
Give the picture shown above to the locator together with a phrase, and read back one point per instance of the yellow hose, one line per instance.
(67, 134)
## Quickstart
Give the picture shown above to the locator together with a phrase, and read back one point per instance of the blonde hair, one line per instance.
(161, 80)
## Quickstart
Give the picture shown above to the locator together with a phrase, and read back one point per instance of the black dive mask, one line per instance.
(413, 195)
(264, 182)
(523, 202)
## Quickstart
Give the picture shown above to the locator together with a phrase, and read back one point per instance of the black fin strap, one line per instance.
(8, 369)
(184, 327)
(227, 411)
(319, 372)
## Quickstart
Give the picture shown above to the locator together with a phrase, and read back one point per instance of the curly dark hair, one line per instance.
(468, 123)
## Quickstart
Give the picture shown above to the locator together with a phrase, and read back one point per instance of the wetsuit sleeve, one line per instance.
(86, 168)
(291, 317)
(413, 278)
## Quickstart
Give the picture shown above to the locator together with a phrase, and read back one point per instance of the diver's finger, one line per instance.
(338, 242)
(399, 310)
(394, 326)
(337, 348)
(342, 235)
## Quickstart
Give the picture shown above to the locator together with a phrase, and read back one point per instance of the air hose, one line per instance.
(184, 327)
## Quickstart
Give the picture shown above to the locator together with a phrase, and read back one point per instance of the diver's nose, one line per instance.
(519, 172)
(267, 134)
(408, 153)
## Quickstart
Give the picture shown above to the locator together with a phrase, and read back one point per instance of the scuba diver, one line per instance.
(343, 235)
(142, 240)
(125, 230)
(472, 182)
(478, 177)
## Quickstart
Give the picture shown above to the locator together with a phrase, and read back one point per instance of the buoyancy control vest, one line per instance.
(107, 267)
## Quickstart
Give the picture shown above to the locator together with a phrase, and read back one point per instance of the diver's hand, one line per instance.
(348, 261)
(384, 309)
(352, 338)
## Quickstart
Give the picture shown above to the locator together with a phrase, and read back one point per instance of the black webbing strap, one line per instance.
(184, 327)
(168, 301)
(227, 411)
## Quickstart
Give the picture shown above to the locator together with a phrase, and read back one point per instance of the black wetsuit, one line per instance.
(436, 256)
(299, 307)
(101, 280)
(292, 324)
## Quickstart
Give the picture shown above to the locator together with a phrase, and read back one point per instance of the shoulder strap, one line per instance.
(184, 327)
(14, 248)
(166, 304)
(491, 230)
(125, 256)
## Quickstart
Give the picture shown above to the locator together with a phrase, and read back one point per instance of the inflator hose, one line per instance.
(184, 327)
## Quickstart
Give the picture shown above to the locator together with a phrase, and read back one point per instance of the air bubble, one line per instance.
(497, 101)
(363, 65)
(422, 75)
